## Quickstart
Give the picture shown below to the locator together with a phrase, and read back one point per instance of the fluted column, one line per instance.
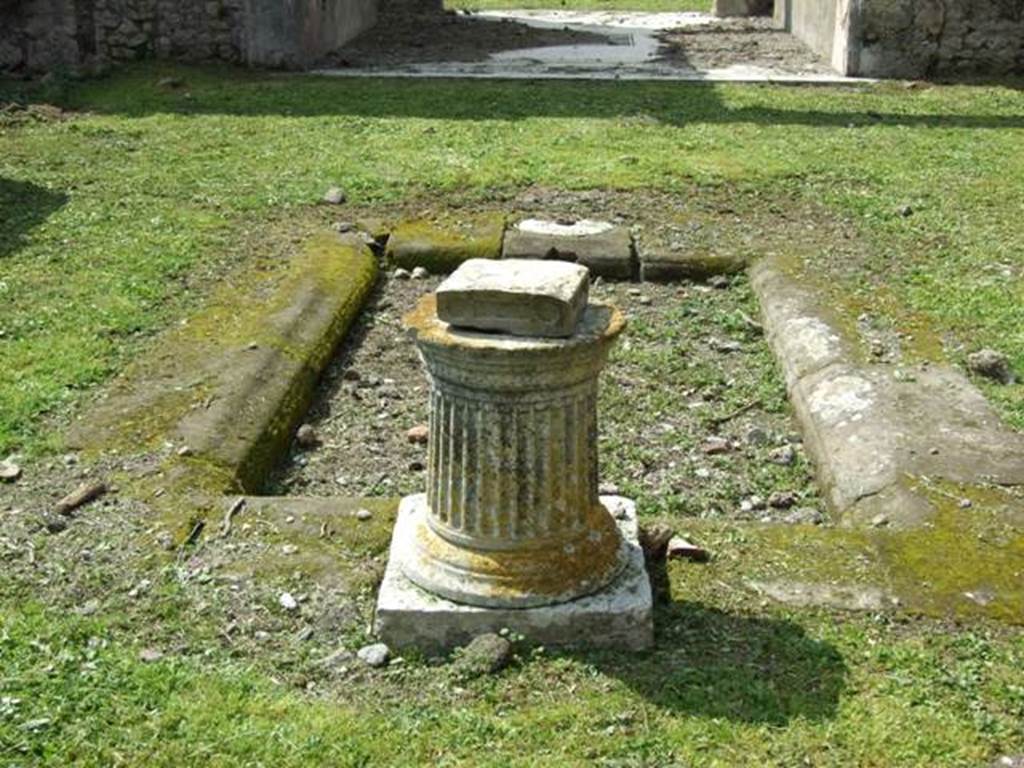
(513, 516)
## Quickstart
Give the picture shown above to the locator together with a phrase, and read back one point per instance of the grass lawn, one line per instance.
(111, 219)
(118, 217)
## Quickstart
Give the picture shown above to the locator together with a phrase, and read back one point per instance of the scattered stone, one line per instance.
(751, 504)
(608, 489)
(726, 346)
(418, 435)
(681, 549)
(906, 211)
(715, 445)
(721, 282)
(782, 500)
(376, 655)
(344, 226)
(169, 82)
(485, 655)
(966, 503)
(185, 451)
(516, 296)
(149, 655)
(9, 471)
(804, 516)
(991, 365)
(654, 541)
(982, 597)
(89, 607)
(401, 273)
(334, 196)
(879, 521)
(332, 659)
(784, 455)
(287, 601)
(420, 273)
(1009, 761)
(82, 495)
(306, 437)
(363, 514)
(54, 525)
(756, 436)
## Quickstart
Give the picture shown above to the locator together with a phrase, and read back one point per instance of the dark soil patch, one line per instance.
(750, 42)
(447, 37)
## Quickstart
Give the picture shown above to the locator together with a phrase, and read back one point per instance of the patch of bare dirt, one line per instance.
(749, 42)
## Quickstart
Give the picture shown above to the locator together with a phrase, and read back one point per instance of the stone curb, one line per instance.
(607, 254)
(873, 430)
(227, 388)
(441, 247)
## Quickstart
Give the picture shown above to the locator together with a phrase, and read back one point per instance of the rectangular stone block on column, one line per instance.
(518, 297)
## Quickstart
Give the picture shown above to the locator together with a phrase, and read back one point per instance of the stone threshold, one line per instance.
(222, 394)
(734, 75)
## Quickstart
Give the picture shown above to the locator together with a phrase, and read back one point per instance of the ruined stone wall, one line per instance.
(911, 38)
(43, 35)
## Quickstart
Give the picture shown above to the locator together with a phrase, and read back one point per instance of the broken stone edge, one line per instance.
(619, 616)
(228, 387)
(872, 431)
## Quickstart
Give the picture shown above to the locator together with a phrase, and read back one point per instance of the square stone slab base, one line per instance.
(619, 616)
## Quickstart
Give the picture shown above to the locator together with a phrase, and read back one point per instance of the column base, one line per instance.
(618, 616)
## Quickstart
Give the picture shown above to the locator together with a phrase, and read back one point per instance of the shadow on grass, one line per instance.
(135, 92)
(748, 669)
(23, 206)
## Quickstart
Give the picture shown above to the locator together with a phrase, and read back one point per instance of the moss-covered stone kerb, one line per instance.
(227, 388)
(442, 243)
(874, 429)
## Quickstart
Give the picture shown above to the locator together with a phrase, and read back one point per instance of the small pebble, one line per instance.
(363, 514)
(420, 273)
(334, 196)
(713, 446)
(756, 436)
(306, 437)
(991, 364)
(401, 274)
(418, 435)
(376, 655)
(782, 500)
(719, 281)
(9, 471)
(288, 602)
(784, 456)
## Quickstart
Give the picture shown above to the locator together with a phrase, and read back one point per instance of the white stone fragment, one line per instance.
(581, 228)
(520, 297)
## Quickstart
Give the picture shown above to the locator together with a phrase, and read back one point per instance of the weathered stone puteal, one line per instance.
(512, 516)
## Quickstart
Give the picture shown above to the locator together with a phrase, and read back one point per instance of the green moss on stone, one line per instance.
(441, 244)
(237, 377)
